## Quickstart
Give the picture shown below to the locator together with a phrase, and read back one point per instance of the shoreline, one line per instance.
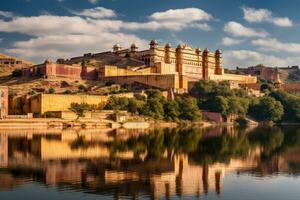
(46, 123)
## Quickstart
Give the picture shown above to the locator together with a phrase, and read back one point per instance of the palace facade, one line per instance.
(160, 66)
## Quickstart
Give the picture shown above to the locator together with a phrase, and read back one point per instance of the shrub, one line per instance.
(17, 73)
(51, 90)
(79, 109)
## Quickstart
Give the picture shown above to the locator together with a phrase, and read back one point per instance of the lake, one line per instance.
(182, 163)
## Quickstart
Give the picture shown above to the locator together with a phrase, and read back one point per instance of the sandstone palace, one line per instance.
(160, 66)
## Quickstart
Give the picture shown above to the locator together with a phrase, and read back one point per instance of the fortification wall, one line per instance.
(162, 81)
(291, 87)
(3, 101)
(55, 102)
(233, 77)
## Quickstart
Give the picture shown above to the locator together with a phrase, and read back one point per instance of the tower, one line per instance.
(218, 57)
(133, 48)
(205, 64)
(179, 64)
(117, 47)
(167, 53)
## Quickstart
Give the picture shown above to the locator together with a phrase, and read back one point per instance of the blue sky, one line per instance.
(248, 31)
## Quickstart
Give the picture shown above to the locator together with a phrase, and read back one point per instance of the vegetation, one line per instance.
(79, 109)
(82, 88)
(267, 109)
(17, 73)
(218, 97)
(156, 106)
(51, 90)
(275, 106)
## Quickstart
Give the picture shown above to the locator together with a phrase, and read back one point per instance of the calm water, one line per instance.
(218, 163)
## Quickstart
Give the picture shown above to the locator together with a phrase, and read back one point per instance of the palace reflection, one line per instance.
(159, 163)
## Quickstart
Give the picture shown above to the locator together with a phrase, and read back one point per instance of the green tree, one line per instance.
(135, 105)
(171, 110)
(117, 103)
(220, 104)
(267, 109)
(189, 109)
(153, 108)
(79, 109)
(291, 105)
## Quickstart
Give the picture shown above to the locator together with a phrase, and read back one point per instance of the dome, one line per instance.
(218, 51)
(48, 60)
(180, 46)
(168, 45)
(198, 50)
(117, 45)
(153, 42)
(133, 45)
(206, 50)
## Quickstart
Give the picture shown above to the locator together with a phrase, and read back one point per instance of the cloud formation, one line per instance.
(273, 44)
(238, 30)
(91, 30)
(6, 14)
(97, 13)
(246, 58)
(264, 15)
(227, 41)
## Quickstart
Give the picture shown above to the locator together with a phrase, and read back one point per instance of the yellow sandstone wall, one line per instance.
(55, 102)
(233, 77)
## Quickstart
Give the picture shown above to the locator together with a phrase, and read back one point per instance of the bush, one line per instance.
(67, 92)
(17, 73)
(82, 88)
(50, 115)
(242, 122)
(51, 90)
(79, 109)
(109, 83)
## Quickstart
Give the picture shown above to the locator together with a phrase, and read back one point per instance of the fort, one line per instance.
(160, 66)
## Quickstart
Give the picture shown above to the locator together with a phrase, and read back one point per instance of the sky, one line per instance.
(248, 32)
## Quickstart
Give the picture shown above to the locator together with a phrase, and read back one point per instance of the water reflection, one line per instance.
(154, 163)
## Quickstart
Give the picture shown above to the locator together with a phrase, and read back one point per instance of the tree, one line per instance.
(266, 87)
(220, 104)
(135, 105)
(267, 109)
(171, 110)
(189, 109)
(79, 109)
(117, 103)
(153, 108)
(291, 105)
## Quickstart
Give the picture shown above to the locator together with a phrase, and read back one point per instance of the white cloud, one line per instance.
(238, 30)
(93, 1)
(71, 45)
(246, 58)
(227, 41)
(273, 44)
(98, 12)
(186, 15)
(264, 15)
(49, 25)
(90, 30)
(6, 14)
